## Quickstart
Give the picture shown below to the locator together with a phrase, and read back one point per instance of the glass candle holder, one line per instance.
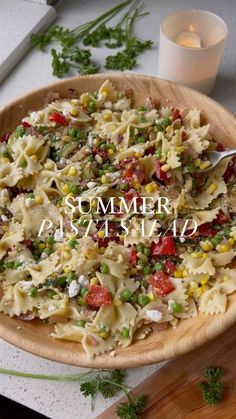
(191, 46)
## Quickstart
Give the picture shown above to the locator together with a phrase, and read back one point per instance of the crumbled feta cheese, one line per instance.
(170, 303)
(4, 197)
(122, 104)
(58, 235)
(73, 289)
(25, 285)
(99, 159)
(51, 308)
(4, 218)
(182, 239)
(91, 185)
(83, 281)
(120, 258)
(44, 255)
(90, 140)
(154, 315)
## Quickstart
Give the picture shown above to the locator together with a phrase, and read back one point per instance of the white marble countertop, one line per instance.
(63, 400)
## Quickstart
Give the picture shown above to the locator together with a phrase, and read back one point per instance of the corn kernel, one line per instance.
(137, 155)
(150, 187)
(222, 248)
(107, 117)
(206, 245)
(198, 292)
(36, 268)
(205, 255)
(205, 288)
(197, 255)
(42, 246)
(111, 152)
(104, 179)
(65, 189)
(152, 296)
(39, 199)
(233, 234)
(94, 281)
(184, 273)
(66, 270)
(231, 240)
(212, 188)
(96, 141)
(66, 255)
(117, 302)
(136, 184)
(105, 91)
(112, 127)
(90, 254)
(34, 157)
(101, 234)
(66, 138)
(180, 149)
(72, 171)
(103, 335)
(204, 165)
(178, 273)
(205, 278)
(74, 111)
(226, 278)
(74, 102)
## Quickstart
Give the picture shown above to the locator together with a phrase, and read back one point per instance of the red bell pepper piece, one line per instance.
(165, 246)
(98, 296)
(162, 283)
(58, 118)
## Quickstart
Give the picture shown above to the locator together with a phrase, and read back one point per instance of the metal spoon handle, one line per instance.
(228, 153)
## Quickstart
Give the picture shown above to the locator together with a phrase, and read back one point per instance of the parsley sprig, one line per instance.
(212, 388)
(94, 33)
(108, 383)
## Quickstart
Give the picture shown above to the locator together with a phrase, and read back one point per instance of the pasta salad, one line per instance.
(81, 249)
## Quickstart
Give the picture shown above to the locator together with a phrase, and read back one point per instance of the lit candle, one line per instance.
(189, 39)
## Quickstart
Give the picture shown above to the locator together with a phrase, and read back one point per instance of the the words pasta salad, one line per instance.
(92, 271)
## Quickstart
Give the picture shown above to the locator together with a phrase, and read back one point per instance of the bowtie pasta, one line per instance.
(108, 290)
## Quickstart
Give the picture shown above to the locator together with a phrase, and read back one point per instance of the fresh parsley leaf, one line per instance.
(89, 388)
(131, 410)
(212, 389)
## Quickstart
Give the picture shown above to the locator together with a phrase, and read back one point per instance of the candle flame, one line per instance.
(191, 28)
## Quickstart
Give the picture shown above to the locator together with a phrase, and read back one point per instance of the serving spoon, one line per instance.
(214, 157)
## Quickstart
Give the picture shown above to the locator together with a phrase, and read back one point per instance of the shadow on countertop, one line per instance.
(10, 409)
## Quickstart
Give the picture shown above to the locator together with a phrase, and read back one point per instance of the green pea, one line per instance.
(6, 154)
(143, 300)
(17, 264)
(101, 172)
(84, 223)
(142, 109)
(161, 216)
(72, 243)
(51, 293)
(191, 168)
(103, 146)
(227, 231)
(36, 243)
(126, 295)
(216, 240)
(142, 263)
(125, 333)
(176, 308)
(104, 268)
(70, 277)
(159, 153)
(159, 128)
(74, 189)
(83, 292)
(20, 131)
(141, 140)
(112, 146)
(9, 264)
(30, 195)
(147, 270)
(146, 251)
(50, 240)
(33, 292)
(139, 248)
(90, 158)
(166, 122)
(81, 323)
(91, 107)
(159, 266)
(144, 283)
(62, 280)
(23, 163)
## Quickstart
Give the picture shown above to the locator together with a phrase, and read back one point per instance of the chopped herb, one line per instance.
(212, 388)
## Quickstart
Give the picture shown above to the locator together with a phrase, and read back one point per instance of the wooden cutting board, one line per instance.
(173, 393)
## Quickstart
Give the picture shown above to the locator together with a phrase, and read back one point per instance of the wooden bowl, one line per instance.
(34, 336)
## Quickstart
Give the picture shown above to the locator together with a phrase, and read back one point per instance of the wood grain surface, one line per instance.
(172, 392)
(35, 336)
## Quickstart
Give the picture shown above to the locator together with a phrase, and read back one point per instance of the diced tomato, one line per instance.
(58, 118)
(221, 218)
(169, 266)
(176, 114)
(126, 163)
(102, 153)
(133, 257)
(165, 246)
(4, 138)
(159, 172)
(28, 243)
(128, 175)
(162, 283)
(25, 124)
(184, 135)
(220, 147)
(98, 296)
(132, 193)
(206, 230)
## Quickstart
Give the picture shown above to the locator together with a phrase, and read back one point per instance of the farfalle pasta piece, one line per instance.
(10, 174)
(204, 199)
(193, 119)
(212, 302)
(13, 236)
(226, 280)
(197, 265)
